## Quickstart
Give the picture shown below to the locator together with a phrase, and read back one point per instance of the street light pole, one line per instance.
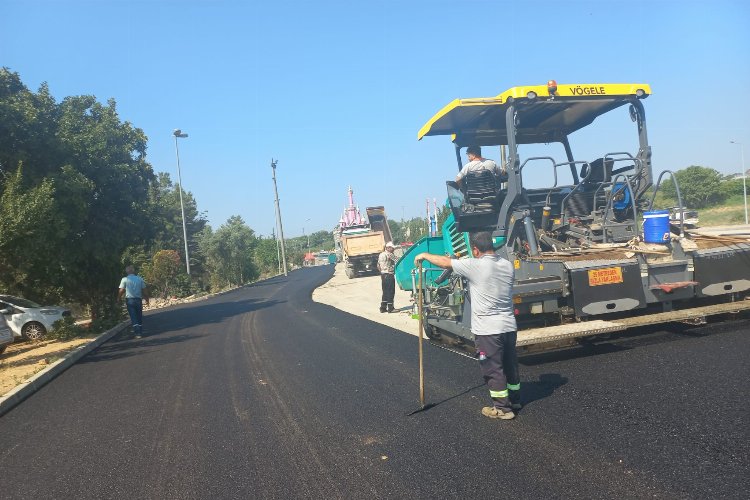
(744, 176)
(179, 135)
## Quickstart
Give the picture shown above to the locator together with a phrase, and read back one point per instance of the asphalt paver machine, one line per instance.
(592, 255)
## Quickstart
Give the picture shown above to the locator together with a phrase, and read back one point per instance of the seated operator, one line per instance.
(476, 163)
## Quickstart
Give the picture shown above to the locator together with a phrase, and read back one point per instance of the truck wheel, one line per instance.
(350, 273)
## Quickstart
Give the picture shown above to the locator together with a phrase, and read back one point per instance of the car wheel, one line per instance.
(33, 331)
(2, 349)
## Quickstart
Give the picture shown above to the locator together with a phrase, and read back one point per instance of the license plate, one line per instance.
(605, 276)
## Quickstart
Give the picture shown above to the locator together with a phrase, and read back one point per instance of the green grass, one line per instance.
(732, 211)
(721, 216)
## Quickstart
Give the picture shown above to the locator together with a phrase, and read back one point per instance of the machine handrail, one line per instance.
(554, 166)
(636, 161)
(679, 198)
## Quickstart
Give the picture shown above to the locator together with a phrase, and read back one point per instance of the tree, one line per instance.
(165, 228)
(266, 256)
(106, 180)
(733, 187)
(28, 122)
(28, 237)
(85, 175)
(413, 229)
(321, 240)
(699, 186)
(442, 215)
(163, 272)
(295, 255)
(395, 229)
(75, 187)
(229, 253)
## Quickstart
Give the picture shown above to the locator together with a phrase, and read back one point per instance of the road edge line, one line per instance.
(22, 391)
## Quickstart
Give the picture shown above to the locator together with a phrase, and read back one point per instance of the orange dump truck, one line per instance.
(361, 251)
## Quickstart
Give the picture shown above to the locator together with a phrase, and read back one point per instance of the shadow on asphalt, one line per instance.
(624, 341)
(190, 315)
(269, 281)
(531, 391)
(160, 325)
(547, 384)
(124, 346)
(433, 405)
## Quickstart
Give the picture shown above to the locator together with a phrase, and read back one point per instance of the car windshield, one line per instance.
(18, 301)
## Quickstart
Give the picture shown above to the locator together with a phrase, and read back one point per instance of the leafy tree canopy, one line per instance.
(699, 187)
(85, 174)
(229, 253)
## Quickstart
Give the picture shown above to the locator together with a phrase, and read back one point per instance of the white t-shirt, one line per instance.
(477, 165)
(491, 293)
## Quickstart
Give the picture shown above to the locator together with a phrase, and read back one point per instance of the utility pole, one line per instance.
(278, 216)
(308, 236)
(278, 250)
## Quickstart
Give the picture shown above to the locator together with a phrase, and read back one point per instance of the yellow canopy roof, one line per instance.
(542, 116)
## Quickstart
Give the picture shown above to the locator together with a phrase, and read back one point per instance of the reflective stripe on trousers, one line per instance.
(500, 367)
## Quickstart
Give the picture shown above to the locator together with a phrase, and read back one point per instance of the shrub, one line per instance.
(66, 329)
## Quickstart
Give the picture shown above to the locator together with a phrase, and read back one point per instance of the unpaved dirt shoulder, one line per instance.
(23, 360)
(361, 297)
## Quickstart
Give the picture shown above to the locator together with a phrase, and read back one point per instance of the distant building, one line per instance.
(738, 175)
(321, 258)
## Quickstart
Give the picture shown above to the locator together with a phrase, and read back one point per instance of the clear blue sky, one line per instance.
(337, 90)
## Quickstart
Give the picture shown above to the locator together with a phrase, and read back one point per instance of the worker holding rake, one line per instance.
(493, 323)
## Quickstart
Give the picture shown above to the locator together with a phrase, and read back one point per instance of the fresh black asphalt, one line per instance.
(262, 393)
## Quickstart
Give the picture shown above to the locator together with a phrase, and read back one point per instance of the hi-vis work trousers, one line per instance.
(500, 368)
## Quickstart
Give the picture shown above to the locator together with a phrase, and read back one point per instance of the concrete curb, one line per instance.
(26, 389)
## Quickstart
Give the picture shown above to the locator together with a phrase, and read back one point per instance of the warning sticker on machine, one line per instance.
(605, 276)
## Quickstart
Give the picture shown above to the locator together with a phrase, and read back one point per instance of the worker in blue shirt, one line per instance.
(135, 291)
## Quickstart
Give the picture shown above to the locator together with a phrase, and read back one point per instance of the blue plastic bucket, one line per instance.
(656, 226)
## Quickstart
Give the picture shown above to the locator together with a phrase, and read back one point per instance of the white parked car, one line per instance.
(28, 319)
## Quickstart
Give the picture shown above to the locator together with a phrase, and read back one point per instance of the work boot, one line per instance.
(390, 308)
(492, 412)
(515, 400)
(382, 307)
